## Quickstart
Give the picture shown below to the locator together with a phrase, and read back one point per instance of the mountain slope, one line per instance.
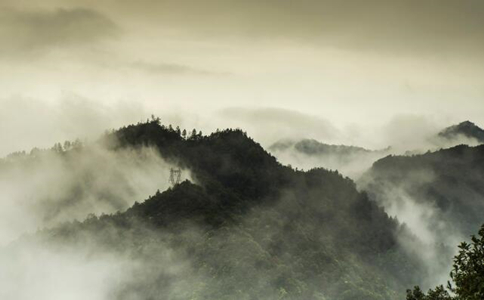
(249, 228)
(449, 180)
(439, 195)
(45, 187)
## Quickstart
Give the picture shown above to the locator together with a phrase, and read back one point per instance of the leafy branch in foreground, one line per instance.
(467, 275)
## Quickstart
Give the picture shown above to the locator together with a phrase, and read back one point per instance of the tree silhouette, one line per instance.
(467, 275)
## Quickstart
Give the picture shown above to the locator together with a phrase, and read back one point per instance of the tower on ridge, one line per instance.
(175, 176)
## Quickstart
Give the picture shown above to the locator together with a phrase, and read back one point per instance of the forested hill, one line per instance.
(464, 129)
(439, 195)
(228, 158)
(449, 180)
(313, 147)
(247, 228)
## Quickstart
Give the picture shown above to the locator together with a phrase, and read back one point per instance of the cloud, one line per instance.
(33, 31)
(408, 132)
(49, 187)
(397, 26)
(26, 123)
(172, 69)
(55, 269)
(268, 125)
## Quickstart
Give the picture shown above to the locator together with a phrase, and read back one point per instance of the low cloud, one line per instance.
(268, 125)
(51, 186)
(26, 123)
(172, 69)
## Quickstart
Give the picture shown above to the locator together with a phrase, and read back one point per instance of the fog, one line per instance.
(32, 122)
(356, 65)
(436, 241)
(83, 267)
(69, 272)
(47, 187)
(384, 77)
(438, 198)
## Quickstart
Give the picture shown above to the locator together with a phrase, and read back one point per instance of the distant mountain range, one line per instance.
(246, 228)
(450, 180)
(313, 147)
(467, 130)
(351, 161)
(438, 195)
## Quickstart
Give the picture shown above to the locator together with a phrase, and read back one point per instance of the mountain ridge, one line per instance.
(465, 129)
(308, 235)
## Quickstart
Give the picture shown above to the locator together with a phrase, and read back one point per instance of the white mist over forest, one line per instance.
(328, 150)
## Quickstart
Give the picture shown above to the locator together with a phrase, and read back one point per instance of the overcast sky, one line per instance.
(339, 71)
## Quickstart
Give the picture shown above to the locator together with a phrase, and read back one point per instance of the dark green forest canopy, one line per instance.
(249, 228)
(448, 179)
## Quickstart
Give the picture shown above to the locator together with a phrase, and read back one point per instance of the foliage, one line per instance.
(249, 228)
(449, 180)
(467, 275)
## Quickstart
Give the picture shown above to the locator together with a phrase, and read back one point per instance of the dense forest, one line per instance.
(449, 181)
(242, 150)
(438, 195)
(245, 226)
(240, 225)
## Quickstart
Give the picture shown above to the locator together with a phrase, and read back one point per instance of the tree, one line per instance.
(438, 294)
(184, 133)
(468, 269)
(155, 119)
(57, 147)
(467, 274)
(77, 144)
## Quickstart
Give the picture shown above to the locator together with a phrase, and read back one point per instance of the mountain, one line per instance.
(439, 195)
(48, 186)
(313, 147)
(245, 227)
(449, 180)
(466, 130)
(351, 161)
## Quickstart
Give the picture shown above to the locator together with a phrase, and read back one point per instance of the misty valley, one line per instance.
(105, 219)
(242, 150)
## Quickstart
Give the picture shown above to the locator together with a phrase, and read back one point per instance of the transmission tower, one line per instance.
(175, 176)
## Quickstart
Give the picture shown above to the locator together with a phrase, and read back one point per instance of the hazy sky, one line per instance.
(335, 70)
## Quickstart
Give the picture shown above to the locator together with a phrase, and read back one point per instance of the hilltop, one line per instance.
(246, 226)
(465, 129)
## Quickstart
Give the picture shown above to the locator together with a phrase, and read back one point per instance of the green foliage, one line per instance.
(467, 275)
(468, 269)
(249, 229)
(449, 180)
(439, 293)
